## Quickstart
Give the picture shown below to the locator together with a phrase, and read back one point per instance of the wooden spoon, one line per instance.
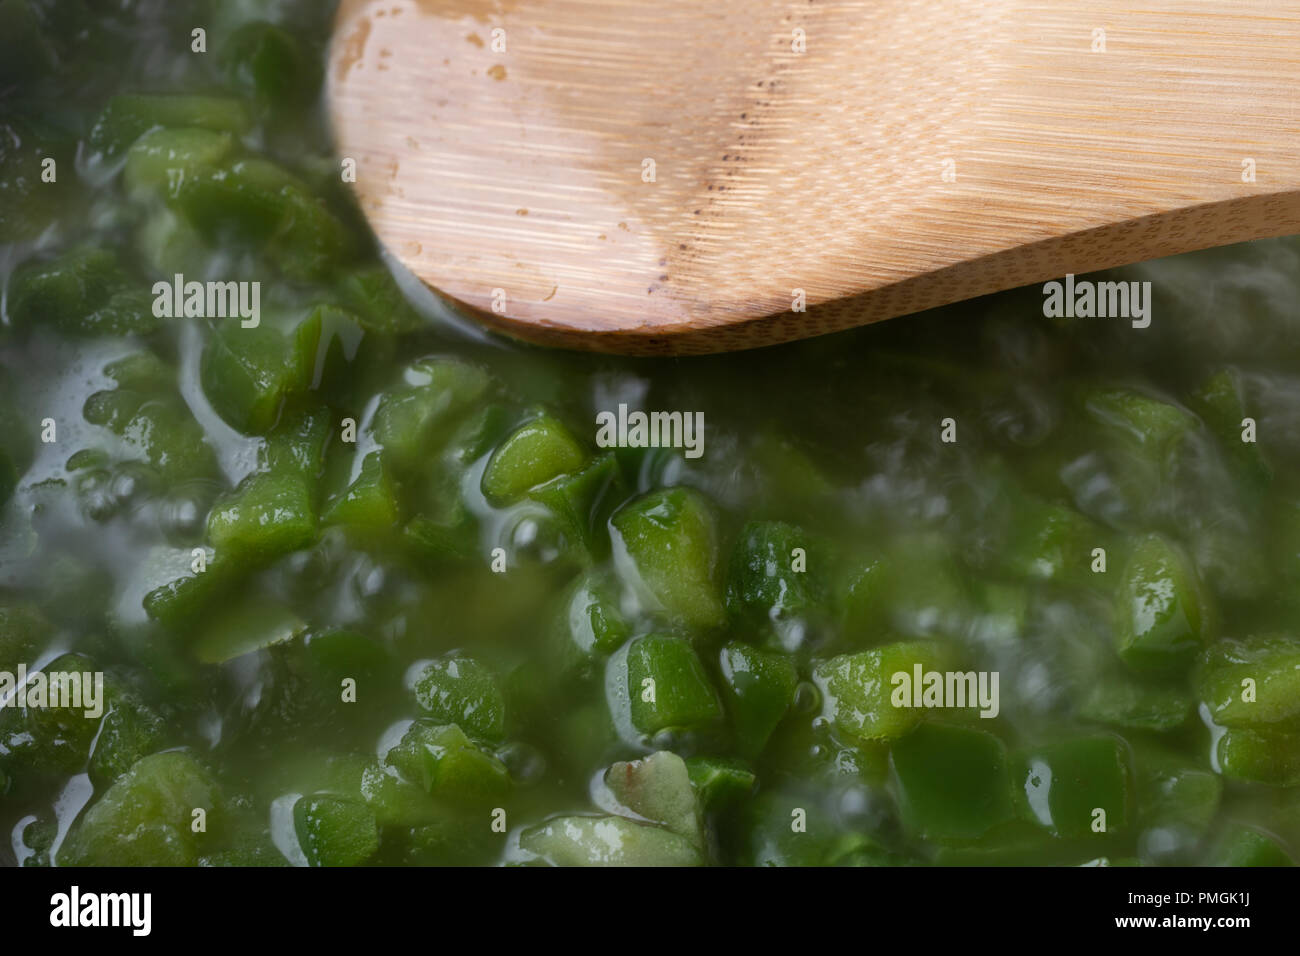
(671, 176)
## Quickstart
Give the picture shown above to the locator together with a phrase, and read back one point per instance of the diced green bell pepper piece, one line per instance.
(1254, 682)
(765, 590)
(169, 588)
(1064, 785)
(129, 731)
(1153, 424)
(144, 818)
(584, 500)
(444, 762)
(129, 116)
(112, 408)
(1160, 607)
(142, 372)
(1261, 756)
(535, 452)
(170, 440)
(481, 432)
(658, 788)
(369, 503)
(414, 421)
(953, 782)
(248, 372)
(397, 802)
(335, 832)
(858, 690)
(588, 624)
(462, 691)
(667, 685)
(267, 516)
(666, 545)
(255, 203)
(45, 737)
(758, 688)
(719, 782)
(83, 292)
(161, 159)
(296, 445)
(607, 841)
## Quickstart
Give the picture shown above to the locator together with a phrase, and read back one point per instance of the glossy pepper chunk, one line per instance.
(535, 452)
(463, 691)
(953, 782)
(444, 762)
(584, 500)
(333, 831)
(128, 116)
(1160, 607)
(769, 585)
(1077, 787)
(261, 206)
(248, 372)
(758, 688)
(720, 782)
(416, 419)
(1253, 682)
(297, 444)
(161, 159)
(858, 689)
(666, 547)
(589, 624)
(369, 502)
(42, 736)
(667, 685)
(144, 818)
(266, 516)
(83, 292)
(1261, 756)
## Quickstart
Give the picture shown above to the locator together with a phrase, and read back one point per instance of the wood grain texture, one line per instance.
(823, 170)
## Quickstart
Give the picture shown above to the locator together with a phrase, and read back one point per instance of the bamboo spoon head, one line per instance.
(657, 176)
